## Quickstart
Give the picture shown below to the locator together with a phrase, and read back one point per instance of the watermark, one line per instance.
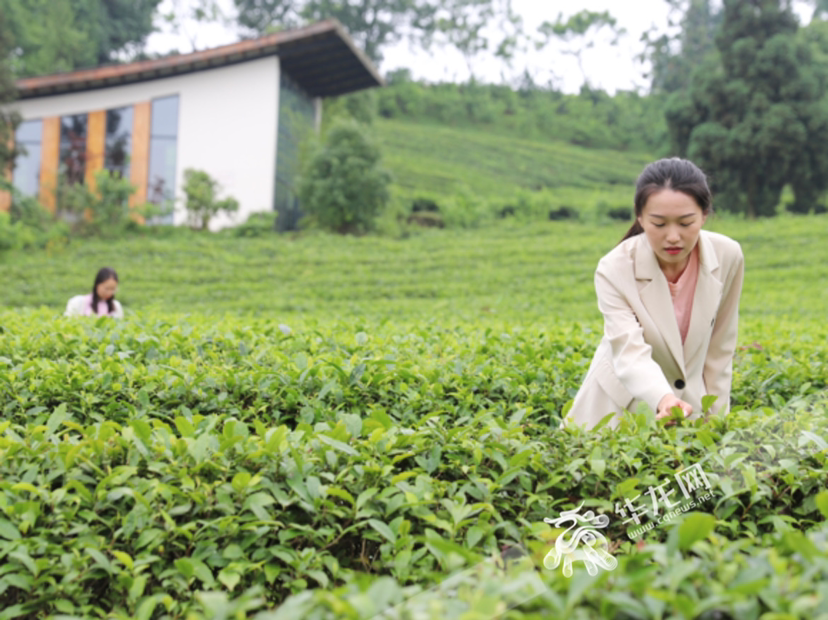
(589, 545)
(669, 516)
(595, 551)
(689, 481)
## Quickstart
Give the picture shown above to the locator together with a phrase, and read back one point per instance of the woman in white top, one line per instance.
(669, 293)
(102, 299)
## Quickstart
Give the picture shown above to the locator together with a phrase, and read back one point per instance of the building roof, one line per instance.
(322, 58)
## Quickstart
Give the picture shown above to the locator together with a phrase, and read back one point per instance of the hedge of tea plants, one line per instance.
(392, 453)
(173, 467)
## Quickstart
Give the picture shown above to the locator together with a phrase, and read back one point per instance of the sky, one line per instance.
(607, 66)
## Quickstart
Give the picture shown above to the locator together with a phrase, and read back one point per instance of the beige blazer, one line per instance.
(641, 357)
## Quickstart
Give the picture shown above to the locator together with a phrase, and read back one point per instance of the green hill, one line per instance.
(437, 161)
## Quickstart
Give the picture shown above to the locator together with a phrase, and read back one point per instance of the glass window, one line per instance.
(296, 118)
(163, 153)
(26, 178)
(29, 131)
(73, 130)
(118, 141)
(165, 117)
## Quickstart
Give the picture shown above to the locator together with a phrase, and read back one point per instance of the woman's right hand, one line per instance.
(668, 402)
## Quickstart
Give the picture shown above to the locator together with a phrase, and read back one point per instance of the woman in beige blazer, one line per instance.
(668, 341)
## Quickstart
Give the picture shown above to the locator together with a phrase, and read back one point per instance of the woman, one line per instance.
(669, 293)
(101, 300)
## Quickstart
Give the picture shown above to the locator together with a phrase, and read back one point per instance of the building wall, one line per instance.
(227, 126)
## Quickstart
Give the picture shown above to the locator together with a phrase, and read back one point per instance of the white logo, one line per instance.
(595, 551)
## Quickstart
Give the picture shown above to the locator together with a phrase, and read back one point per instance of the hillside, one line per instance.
(437, 161)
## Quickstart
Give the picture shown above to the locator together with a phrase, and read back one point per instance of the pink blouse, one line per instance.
(683, 290)
(81, 305)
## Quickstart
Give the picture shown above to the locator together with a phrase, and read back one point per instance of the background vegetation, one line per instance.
(325, 426)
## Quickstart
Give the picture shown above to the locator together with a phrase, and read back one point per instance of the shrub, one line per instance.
(9, 233)
(563, 213)
(803, 209)
(101, 212)
(342, 187)
(464, 210)
(202, 204)
(29, 225)
(257, 225)
(427, 219)
(620, 213)
(28, 211)
(424, 204)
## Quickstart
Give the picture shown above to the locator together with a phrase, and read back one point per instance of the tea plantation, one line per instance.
(375, 460)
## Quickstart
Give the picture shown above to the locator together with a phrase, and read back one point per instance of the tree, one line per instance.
(342, 187)
(475, 26)
(186, 18)
(201, 199)
(573, 33)
(673, 57)
(372, 23)
(8, 119)
(61, 35)
(757, 118)
(375, 24)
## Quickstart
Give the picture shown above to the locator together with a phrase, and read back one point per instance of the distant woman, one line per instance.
(669, 293)
(102, 299)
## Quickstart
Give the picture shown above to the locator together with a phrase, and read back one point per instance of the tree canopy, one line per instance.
(52, 36)
(756, 116)
(673, 57)
(8, 119)
(468, 25)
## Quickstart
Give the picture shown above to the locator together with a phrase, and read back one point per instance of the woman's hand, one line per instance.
(668, 402)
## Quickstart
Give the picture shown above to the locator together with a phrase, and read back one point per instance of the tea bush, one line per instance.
(190, 462)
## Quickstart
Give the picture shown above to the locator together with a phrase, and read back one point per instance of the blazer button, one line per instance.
(679, 384)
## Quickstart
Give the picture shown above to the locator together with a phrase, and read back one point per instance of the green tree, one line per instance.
(375, 24)
(372, 23)
(61, 35)
(756, 119)
(201, 199)
(8, 118)
(474, 26)
(674, 57)
(574, 31)
(343, 188)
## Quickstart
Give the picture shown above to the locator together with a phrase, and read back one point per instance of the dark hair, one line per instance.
(678, 174)
(104, 274)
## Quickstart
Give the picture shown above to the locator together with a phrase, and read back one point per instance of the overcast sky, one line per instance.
(607, 66)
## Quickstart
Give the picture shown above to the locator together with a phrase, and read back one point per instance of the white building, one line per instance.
(237, 112)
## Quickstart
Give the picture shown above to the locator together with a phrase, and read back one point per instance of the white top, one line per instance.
(81, 305)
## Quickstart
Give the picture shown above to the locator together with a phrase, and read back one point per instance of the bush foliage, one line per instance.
(201, 199)
(626, 121)
(150, 464)
(343, 187)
